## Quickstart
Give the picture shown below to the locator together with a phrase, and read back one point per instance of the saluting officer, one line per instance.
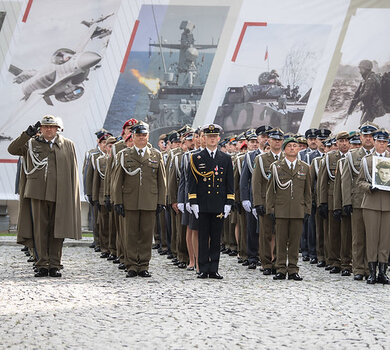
(289, 201)
(376, 212)
(211, 195)
(52, 185)
(139, 193)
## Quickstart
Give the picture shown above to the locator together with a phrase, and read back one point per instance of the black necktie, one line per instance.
(140, 152)
(212, 155)
(276, 157)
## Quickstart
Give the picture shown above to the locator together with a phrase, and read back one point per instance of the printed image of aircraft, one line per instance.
(64, 76)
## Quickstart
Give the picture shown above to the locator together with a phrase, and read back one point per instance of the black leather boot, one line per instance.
(382, 277)
(372, 268)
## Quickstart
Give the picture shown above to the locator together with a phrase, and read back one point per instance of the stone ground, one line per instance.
(93, 306)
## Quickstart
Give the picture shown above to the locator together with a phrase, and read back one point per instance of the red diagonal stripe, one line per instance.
(243, 30)
(129, 46)
(8, 160)
(27, 11)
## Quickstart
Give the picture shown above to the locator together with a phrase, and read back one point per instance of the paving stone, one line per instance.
(93, 306)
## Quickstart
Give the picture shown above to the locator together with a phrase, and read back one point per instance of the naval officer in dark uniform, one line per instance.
(211, 195)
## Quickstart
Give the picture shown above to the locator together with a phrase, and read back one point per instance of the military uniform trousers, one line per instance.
(359, 252)
(138, 237)
(103, 219)
(346, 244)
(252, 238)
(266, 231)
(334, 240)
(320, 246)
(174, 232)
(112, 233)
(288, 236)
(49, 249)
(120, 244)
(377, 225)
(242, 248)
(95, 225)
(308, 239)
(181, 242)
(163, 231)
(209, 241)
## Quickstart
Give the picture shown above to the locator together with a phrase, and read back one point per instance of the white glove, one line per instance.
(195, 210)
(254, 212)
(227, 209)
(247, 205)
(180, 206)
(188, 207)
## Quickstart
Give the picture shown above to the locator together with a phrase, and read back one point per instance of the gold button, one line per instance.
(208, 192)
(217, 185)
(217, 192)
(209, 185)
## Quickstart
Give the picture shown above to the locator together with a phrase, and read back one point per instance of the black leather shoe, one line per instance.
(345, 273)
(182, 265)
(31, 259)
(305, 258)
(267, 272)
(170, 256)
(313, 261)
(122, 266)
(155, 246)
(321, 263)
(116, 261)
(93, 245)
(279, 276)
(144, 273)
(159, 250)
(252, 266)
(27, 253)
(273, 271)
(164, 252)
(190, 268)
(240, 261)
(131, 273)
(358, 277)
(42, 272)
(382, 276)
(104, 255)
(111, 257)
(54, 272)
(176, 263)
(233, 253)
(335, 269)
(245, 263)
(226, 251)
(203, 275)
(328, 267)
(97, 249)
(24, 249)
(215, 275)
(294, 276)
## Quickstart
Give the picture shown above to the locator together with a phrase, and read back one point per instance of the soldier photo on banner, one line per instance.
(381, 173)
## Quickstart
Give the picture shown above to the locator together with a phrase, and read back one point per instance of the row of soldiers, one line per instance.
(333, 233)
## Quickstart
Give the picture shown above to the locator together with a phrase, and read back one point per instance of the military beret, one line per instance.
(311, 133)
(129, 122)
(287, 141)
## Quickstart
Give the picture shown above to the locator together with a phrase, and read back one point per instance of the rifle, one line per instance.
(354, 102)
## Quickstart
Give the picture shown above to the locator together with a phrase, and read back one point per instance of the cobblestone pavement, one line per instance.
(93, 306)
